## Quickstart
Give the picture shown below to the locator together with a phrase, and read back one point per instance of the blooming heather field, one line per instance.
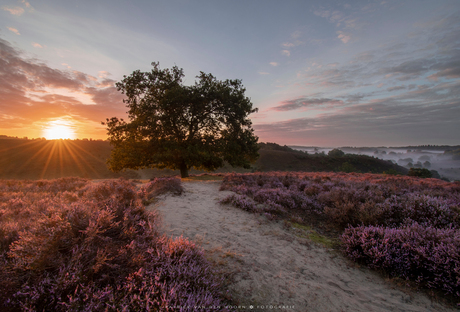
(73, 245)
(408, 227)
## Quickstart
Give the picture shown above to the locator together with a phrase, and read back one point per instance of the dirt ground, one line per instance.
(270, 265)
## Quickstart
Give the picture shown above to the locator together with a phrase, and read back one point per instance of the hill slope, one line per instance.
(274, 157)
(42, 159)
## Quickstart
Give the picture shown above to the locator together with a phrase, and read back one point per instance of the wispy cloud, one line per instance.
(406, 90)
(396, 88)
(421, 115)
(274, 64)
(264, 73)
(343, 36)
(333, 16)
(13, 10)
(14, 30)
(305, 102)
(37, 45)
(286, 52)
(26, 3)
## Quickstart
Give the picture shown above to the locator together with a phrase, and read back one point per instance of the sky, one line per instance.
(321, 72)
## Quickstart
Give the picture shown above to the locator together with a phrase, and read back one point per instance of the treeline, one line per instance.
(454, 153)
(274, 157)
(45, 159)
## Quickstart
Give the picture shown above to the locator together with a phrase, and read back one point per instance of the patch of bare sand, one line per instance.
(271, 266)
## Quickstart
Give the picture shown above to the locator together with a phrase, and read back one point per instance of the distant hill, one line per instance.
(274, 157)
(42, 159)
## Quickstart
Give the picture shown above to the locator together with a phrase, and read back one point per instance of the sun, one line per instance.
(59, 129)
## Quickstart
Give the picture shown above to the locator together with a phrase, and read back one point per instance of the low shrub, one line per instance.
(94, 247)
(160, 186)
(408, 226)
(426, 255)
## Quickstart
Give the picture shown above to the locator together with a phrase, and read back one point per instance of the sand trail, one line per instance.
(272, 266)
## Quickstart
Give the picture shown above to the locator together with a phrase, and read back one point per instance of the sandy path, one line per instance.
(271, 266)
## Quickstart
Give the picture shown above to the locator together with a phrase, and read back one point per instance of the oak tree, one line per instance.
(175, 126)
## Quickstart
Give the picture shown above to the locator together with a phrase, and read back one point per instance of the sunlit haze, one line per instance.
(58, 129)
(322, 73)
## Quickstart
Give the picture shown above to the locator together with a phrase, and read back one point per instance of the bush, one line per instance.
(160, 186)
(94, 248)
(335, 153)
(426, 255)
(408, 226)
(419, 172)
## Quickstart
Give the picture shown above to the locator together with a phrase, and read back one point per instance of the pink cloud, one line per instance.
(32, 91)
(286, 52)
(13, 10)
(37, 45)
(343, 37)
(305, 102)
(451, 73)
(14, 30)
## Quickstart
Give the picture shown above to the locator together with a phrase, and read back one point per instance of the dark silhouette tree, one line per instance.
(336, 153)
(175, 126)
(419, 172)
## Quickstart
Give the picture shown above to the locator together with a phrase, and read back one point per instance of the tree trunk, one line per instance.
(183, 170)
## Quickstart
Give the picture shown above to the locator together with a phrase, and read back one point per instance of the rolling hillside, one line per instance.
(42, 159)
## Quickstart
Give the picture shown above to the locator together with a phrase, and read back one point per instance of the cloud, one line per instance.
(264, 73)
(396, 88)
(37, 45)
(355, 98)
(27, 4)
(322, 13)
(332, 16)
(286, 52)
(14, 30)
(446, 73)
(417, 102)
(343, 37)
(288, 45)
(31, 91)
(351, 24)
(412, 68)
(428, 114)
(305, 102)
(296, 34)
(274, 64)
(104, 74)
(336, 16)
(13, 10)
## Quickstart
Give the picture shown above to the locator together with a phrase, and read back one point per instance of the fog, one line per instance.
(431, 158)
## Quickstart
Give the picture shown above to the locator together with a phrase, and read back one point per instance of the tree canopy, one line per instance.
(175, 126)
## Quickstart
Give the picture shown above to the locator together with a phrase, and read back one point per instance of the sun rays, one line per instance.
(59, 129)
(49, 159)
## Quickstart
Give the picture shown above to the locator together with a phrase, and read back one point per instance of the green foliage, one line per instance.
(419, 172)
(274, 157)
(435, 174)
(179, 127)
(347, 167)
(454, 153)
(335, 153)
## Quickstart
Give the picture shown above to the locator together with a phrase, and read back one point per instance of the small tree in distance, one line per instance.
(179, 127)
(336, 153)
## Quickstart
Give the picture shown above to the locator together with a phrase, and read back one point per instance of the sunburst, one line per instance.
(59, 129)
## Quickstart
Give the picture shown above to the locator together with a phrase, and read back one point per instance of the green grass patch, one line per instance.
(305, 231)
